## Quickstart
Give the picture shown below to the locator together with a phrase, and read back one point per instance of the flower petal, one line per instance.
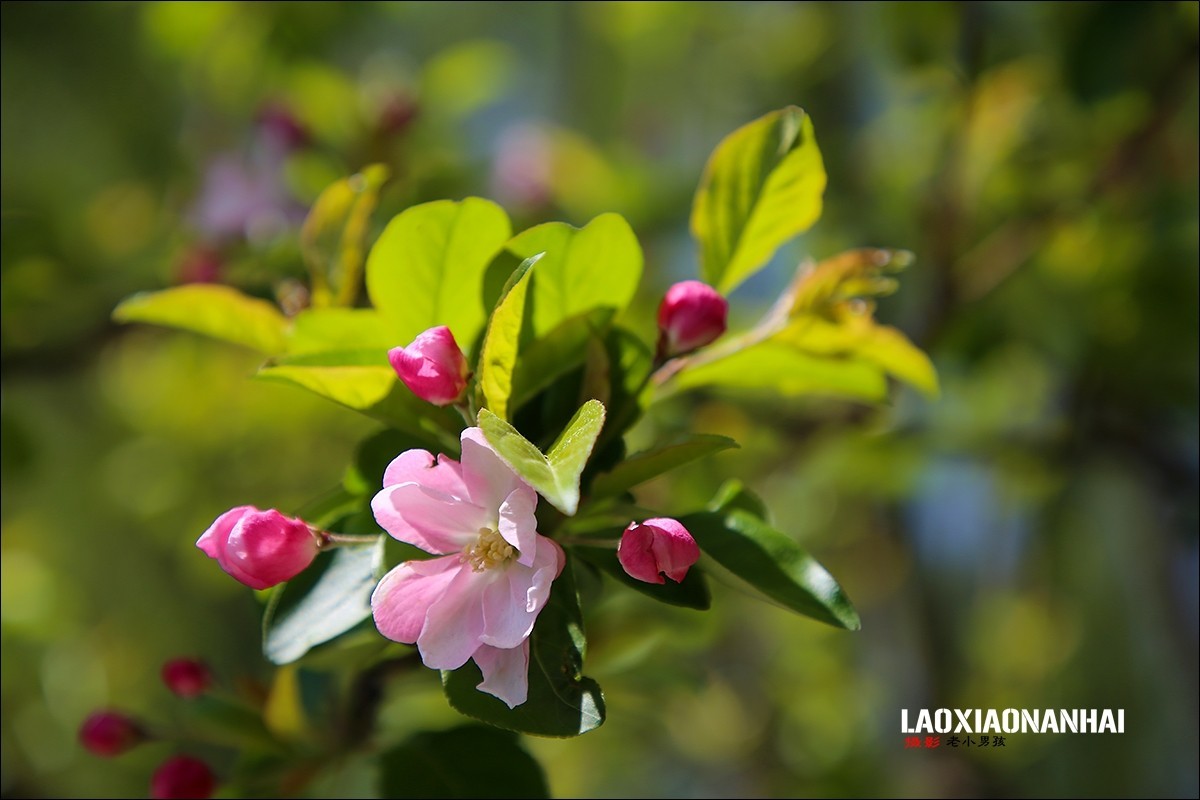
(419, 466)
(636, 553)
(517, 523)
(454, 622)
(512, 602)
(212, 541)
(505, 672)
(402, 599)
(427, 518)
(674, 548)
(489, 480)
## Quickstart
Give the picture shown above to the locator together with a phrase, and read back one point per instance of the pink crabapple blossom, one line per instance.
(481, 597)
(657, 547)
(260, 548)
(691, 315)
(432, 367)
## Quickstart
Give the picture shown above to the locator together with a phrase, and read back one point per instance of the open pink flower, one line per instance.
(481, 598)
(657, 547)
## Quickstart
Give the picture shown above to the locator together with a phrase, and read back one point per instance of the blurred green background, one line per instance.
(1028, 540)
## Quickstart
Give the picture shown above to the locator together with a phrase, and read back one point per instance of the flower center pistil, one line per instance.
(491, 550)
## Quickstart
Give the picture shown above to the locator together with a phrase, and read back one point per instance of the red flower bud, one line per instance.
(182, 777)
(259, 548)
(110, 733)
(186, 677)
(657, 547)
(691, 315)
(432, 367)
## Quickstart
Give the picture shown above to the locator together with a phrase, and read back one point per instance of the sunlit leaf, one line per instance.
(562, 702)
(643, 466)
(596, 266)
(333, 237)
(501, 342)
(779, 368)
(762, 186)
(463, 762)
(426, 268)
(854, 274)
(555, 475)
(221, 312)
(859, 337)
(362, 381)
(315, 330)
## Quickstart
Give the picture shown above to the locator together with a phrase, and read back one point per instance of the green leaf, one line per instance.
(550, 357)
(317, 330)
(427, 267)
(554, 475)
(778, 367)
(326, 600)
(333, 237)
(464, 762)
(762, 186)
(771, 562)
(360, 380)
(641, 467)
(630, 363)
(850, 275)
(221, 312)
(857, 336)
(498, 356)
(224, 722)
(692, 592)
(596, 266)
(562, 702)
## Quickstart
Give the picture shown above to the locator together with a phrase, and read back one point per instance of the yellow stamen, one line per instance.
(491, 550)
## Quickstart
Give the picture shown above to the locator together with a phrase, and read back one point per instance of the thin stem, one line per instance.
(584, 541)
(329, 540)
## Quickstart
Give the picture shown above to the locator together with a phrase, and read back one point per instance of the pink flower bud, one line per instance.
(692, 314)
(182, 777)
(186, 677)
(110, 733)
(657, 547)
(259, 548)
(432, 367)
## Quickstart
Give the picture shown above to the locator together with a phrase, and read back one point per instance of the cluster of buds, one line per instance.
(110, 733)
(433, 367)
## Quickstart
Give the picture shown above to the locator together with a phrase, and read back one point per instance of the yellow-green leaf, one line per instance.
(498, 359)
(780, 368)
(555, 475)
(333, 237)
(762, 186)
(221, 312)
(596, 266)
(427, 267)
